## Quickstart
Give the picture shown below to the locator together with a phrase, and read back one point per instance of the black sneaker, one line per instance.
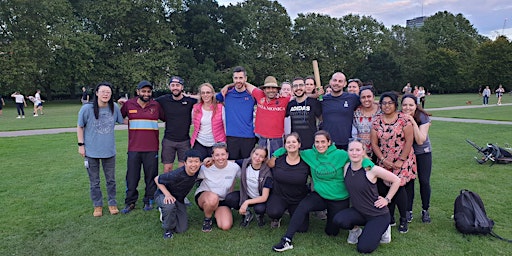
(247, 219)
(167, 234)
(408, 216)
(283, 245)
(392, 222)
(128, 208)
(425, 216)
(207, 224)
(261, 220)
(403, 228)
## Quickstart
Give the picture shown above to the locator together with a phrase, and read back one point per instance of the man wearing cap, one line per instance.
(142, 113)
(338, 111)
(239, 111)
(270, 113)
(177, 110)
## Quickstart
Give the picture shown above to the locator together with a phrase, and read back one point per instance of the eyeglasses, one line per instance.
(387, 103)
(219, 145)
(206, 93)
(354, 80)
(355, 139)
(298, 85)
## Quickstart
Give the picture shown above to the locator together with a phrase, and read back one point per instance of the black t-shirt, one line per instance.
(177, 116)
(178, 182)
(290, 181)
(303, 119)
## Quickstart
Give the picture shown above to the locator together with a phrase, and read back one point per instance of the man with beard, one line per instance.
(338, 111)
(177, 110)
(142, 113)
(303, 111)
(270, 113)
(239, 111)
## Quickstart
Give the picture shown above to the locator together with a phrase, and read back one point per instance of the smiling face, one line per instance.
(239, 79)
(192, 165)
(145, 93)
(206, 94)
(270, 92)
(310, 85)
(220, 157)
(409, 106)
(338, 82)
(291, 144)
(258, 156)
(286, 90)
(367, 98)
(176, 88)
(104, 94)
(353, 87)
(321, 143)
(298, 88)
(388, 106)
(356, 151)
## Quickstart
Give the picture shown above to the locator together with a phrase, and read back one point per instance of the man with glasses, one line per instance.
(303, 111)
(338, 111)
(177, 109)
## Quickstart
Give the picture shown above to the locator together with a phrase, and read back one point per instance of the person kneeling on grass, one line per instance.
(368, 208)
(217, 182)
(173, 187)
(255, 185)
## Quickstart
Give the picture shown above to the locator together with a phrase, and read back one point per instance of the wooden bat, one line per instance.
(316, 73)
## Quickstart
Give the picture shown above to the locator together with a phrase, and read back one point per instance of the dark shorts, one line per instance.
(221, 202)
(170, 148)
(239, 148)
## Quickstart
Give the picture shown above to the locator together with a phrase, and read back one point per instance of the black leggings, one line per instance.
(374, 227)
(233, 201)
(314, 202)
(277, 205)
(399, 200)
(20, 108)
(424, 163)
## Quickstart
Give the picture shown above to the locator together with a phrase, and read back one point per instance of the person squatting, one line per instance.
(297, 151)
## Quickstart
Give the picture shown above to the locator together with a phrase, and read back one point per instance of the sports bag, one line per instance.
(470, 216)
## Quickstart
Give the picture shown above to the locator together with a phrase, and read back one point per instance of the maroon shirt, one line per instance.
(143, 125)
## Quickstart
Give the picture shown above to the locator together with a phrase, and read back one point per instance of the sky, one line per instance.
(490, 18)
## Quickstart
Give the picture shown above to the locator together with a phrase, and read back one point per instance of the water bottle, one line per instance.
(86, 163)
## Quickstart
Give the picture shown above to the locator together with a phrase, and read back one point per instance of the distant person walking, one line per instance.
(499, 93)
(85, 96)
(1, 105)
(486, 94)
(40, 104)
(20, 104)
(96, 143)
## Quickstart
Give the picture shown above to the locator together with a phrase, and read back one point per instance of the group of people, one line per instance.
(322, 161)
(19, 99)
(418, 92)
(486, 93)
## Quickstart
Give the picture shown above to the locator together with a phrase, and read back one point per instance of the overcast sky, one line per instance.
(489, 17)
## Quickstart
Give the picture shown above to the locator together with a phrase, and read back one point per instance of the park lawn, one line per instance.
(61, 114)
(493, 112)
(47, 211)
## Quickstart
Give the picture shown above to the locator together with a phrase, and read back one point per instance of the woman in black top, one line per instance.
(367, 209)
(290, 176)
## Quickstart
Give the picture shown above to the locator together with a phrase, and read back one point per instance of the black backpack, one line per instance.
(470, 216)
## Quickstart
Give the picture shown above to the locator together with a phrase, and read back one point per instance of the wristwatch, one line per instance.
(80, 144)
(387, 199)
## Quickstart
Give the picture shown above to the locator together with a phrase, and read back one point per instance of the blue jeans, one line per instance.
(272, 144)
(109, 168)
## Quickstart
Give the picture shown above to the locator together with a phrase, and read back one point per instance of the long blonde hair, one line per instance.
(214, 100)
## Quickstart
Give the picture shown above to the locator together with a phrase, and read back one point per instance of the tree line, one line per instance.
(59, 46)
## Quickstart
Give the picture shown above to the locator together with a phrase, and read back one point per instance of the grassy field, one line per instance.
(47, 211)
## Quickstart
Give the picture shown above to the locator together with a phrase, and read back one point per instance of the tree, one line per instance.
(493, 62)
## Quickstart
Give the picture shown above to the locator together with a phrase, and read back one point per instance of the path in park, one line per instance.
(123, 127)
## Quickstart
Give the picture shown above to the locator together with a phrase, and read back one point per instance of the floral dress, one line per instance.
(363, 125)
(391, 142)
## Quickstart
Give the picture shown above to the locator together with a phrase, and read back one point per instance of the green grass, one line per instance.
(500, 113)
(47, 211)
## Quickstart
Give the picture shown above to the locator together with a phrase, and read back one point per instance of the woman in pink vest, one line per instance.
(208, 122)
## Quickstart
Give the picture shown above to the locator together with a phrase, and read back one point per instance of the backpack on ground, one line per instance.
(470, 216)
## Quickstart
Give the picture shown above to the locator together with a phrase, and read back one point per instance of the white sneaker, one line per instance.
(18, 117)
(386, 237)
(36, 115)
(23, 117)
(353, 235)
